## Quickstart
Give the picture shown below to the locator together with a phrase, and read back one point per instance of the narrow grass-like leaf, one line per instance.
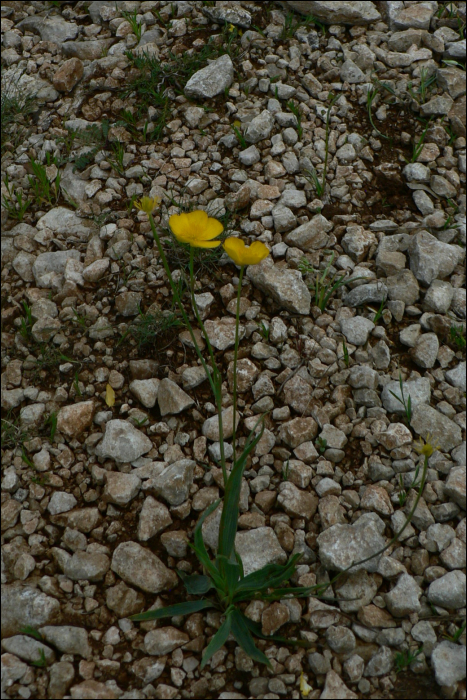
(269, 576)
(218, 640)
(195, 584)
(229, 517)
(243, 636)
(190, 606)
(230, 571)
(200, 547)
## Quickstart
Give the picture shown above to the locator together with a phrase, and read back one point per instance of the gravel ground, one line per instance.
(223, 106)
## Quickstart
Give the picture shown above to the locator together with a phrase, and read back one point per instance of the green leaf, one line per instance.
(269, 576)
(230, 571)
(218, 640)
(229, 517)
(190, 606)
(200, 547)
(195, 584)
(242, 634)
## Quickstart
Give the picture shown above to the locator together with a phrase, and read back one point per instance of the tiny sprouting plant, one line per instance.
(41, 662)
(379, 312)
(370, 98)
(403, 659)
(32, 632)
(457, 634)
(14, 203)
(312, 176)
(294, 22)
(263, 330)
(407, 404)
(452, 62)
(457, 336)
(148, 329)
(418, 145)
(324, 284)
(132, 18)
(426, 81)
(238, 134)
(27, 322)
(51, 422)
(76, 386)
(44, 190)
(321, 444)
(298, 115)
(345, 352)
(402, 495)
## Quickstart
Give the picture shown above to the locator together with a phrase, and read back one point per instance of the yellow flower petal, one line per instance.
(195, 228)
(147, 204)
(244, 255)
(109, 396)
(208, 244)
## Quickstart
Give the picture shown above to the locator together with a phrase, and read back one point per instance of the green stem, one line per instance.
(237, 334)
(179, 303)
(217, 379)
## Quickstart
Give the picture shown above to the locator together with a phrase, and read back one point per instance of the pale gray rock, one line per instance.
(431, 259)
(62, 675)
(443, 430)
(357, 590)
(171, 398)
(448, 662)
(68, 640)
(297, 503)
(403, 286)
(89, 566)
(283, 217)
(353, 13)
(24, 606)
(417, 172)
(258, 548)
(342, 545)
(373, 293)
(419, 391)
(357, 329)
(259, 128)
(211, 80)
(121, 488)
(145, 390)
(451, 80)
(164, 640)
(123, 442)
(448, 591)
(141, 568)
(27, 648)
(381, 663)
(174, 481)
(351, 73)
(249, 156)
(210, 427)
(404, 598)
(61, 502)
(340, 639)
(229, 13)
(425, 351)
(423, 202)
(286, 287)
(124, 601)
(457, 376)
(455, 486)
(48, 264)
(23, 264)
(312, 235)
(409, 335)
(221, 332)
(63, 220)
(334, 687)
(153, 518)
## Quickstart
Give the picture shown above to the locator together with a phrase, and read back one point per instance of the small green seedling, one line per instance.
(379, 313)
(321, 444)
(418, 145)
(324, 284)
(263, 330)
(370, 98)
(406, 404)
(239, 135)
(32, 632)
(403, 659)
(41, 662)
(298, 115)
(457, 336)
(457, 634)
(52, 422)
(345, 352)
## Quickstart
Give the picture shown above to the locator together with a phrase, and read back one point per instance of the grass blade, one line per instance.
(195, 584)
(242, 634)
(190, 606)
(218, 640)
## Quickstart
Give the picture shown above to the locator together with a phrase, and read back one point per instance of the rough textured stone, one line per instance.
(211, 80)
(448, 591)
(23, 606)
(164, 640)
(73, 420)
(174, 481)
(443, 430)
(341, 545)
(123, 442)
(171, 398)
(259, 547)
(448, 662)
(67, 639)
(140, 567)
(286, 287)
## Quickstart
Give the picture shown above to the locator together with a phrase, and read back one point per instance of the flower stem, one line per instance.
(217, 379)
(237, 326)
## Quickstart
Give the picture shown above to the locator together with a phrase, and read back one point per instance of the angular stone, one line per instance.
(87, 566)
(221, 333)
(341, 545)
(431, 259)
(286, 287)
(68, 75)
(210, 427)
(211, 80)
(299, 430)
(403, 286)
(123, 442)
(404, 598)
(172, 399)
(454, 487)
(145, 390)
(353, 13)
(448, 591)
(141, 568)
(373, 293)
(23, 606)
(258, 548)
(164, 640)
(73, 420)
(153, 518)
(426, 350)
(448, 662)
(68, 640)
(174, 481)
(27, 648)
(419, 391)
(357, 329)
(121, 488)
(297, 503)
(124, 601)
(259, 128)
(443, 430)
(311, 235)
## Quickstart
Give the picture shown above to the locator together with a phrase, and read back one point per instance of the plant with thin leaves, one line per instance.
(407, 404)
(12, 432)
(44, 190)
(298, 115)
(457, 336)
(239, 135)
(452, 62)
(14, 203)
(371, 95)
(380, 310)
(17, 103)
(454, 638)
(32, 632)
(321, 444)
(224, 574)
(149, 329)
(51, 422)
(27, 322)
(345, 353)
(311, 175)
(263, 330)
(41, 662)
(136, 26)
(418, 145)
(426, 81)
(324, 284)
(403, 659)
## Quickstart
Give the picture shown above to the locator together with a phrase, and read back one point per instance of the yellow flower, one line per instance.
(426, 448)
(231, 28)
(305, 688)
(147, 204)
(196, 228)
(237, 123)
(245, 255)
